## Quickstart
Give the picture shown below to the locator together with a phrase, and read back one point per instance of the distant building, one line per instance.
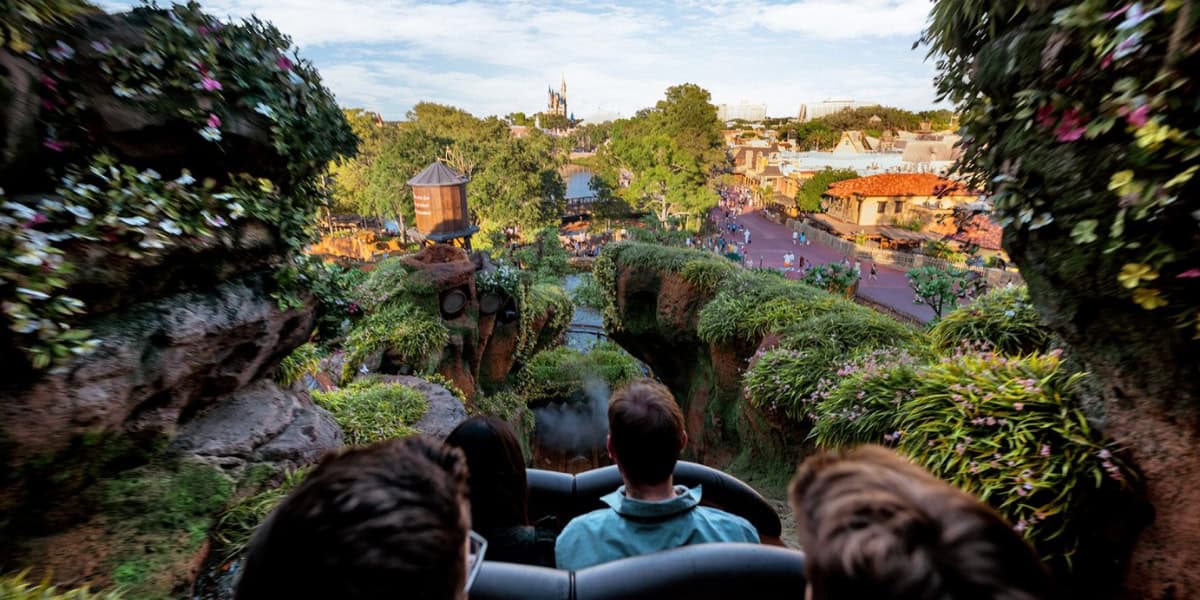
(894, 198)
(744, 111)
(808, 112)
(556, 102)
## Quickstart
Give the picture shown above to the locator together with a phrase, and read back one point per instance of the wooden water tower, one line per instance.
(440, 203)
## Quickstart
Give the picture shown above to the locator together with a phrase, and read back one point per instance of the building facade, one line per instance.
(744, 111)
(894, 199)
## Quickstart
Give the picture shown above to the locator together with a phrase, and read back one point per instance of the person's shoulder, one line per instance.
(730, 522)
(588, 522)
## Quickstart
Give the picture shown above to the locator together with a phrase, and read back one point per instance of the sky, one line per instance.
(500, 56)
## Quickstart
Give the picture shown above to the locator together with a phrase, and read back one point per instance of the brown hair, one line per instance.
(380, 521)
(499, 494)
(875, 526)
(647, 431)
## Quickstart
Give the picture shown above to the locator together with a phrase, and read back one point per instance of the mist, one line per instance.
(578, 424)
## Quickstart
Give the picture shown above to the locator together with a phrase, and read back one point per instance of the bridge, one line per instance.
(580, 206)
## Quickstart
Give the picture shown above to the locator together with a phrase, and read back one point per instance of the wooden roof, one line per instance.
(436, 174)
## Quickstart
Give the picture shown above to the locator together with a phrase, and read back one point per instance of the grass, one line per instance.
(304, 360)
(1003, 319)
(370, 411)
(237, 523)
(558, 373)
(413, 335)
(15, 586)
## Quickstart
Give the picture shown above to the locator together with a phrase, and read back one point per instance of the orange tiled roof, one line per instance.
(981, 231)
(898, 184)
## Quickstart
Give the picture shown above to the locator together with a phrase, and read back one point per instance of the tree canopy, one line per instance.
(808, 199)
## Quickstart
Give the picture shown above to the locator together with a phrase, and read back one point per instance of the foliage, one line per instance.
(751, 305)
(558, 373)
(370, 411)
(504, 279)
(862, 404)
(784, 379)
(392, 280)
(808, 199)
(1004, 319)
(236, 524)
(507, 405)
(1081, 121)
(15, 586)
(304, 360)
(446, 382)
(835, 278)
(331, 284)
(160, 516)
(546, 258)
(412, 335)
(1008, 431)
(942, 288)
(543, 300)
(588, 293)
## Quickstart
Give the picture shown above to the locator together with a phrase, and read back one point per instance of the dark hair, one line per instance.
(499, 497)
(647, 431)
(874, 525)
(381, 521)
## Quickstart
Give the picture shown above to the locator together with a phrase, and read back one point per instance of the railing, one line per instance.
(580, 205)
(900, 260)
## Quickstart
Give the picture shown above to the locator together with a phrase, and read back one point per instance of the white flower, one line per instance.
(152, 242)
(150, 89)
(236, 210)
(170, 227)
(82, 214)
(295, 79)
(151, 58)
(1042, 220)
(31, 259)
(265, 111)
(61, 52)
(135, 221)
(36, 295)
(211, 134)
(29, 326)
(185, 179)
(223, 196)
(123, 92)
(216, 221)
(1136, 15)
(101, 47)
(148, 175)
(50, 205)
(20, 210)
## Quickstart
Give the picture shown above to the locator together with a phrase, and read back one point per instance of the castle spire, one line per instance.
(564, 85)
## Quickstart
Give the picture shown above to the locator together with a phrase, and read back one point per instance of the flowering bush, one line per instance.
(1009, 431)
(834, 278)
(1082, 120)
(1004, 319)
(861, 404)
(504, 279)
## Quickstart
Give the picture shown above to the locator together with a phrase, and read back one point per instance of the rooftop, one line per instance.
(436, 174)
(898, 184)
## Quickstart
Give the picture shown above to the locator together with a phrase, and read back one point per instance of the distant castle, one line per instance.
(556, 102)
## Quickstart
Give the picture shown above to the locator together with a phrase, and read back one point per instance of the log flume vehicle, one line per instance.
(703, 572)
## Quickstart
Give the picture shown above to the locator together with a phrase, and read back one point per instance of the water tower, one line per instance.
(440, 203)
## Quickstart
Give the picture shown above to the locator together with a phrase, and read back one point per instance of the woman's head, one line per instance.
(497, 472)
(873, 525)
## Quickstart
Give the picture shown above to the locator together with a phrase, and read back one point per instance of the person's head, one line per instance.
(645, 432)
(874, 525)
(388, 520)
(499, 498)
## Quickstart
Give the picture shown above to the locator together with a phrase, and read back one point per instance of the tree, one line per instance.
(667, 179)
(942, 288)
(808, 199)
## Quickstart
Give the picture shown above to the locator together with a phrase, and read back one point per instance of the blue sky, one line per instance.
(498, 57)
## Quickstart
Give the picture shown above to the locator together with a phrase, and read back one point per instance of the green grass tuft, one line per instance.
(370, 411)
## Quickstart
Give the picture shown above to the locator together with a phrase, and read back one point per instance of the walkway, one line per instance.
(769, 241)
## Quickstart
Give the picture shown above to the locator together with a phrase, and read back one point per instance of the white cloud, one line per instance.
(498, 57)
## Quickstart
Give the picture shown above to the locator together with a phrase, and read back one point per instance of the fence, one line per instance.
(900, 260)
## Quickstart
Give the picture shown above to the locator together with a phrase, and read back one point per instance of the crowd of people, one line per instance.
(416, 517)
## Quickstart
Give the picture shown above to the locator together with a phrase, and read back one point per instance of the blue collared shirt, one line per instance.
(633, 527)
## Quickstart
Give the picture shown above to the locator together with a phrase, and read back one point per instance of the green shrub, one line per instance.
(446, 382)
(507, 405)
(834, 278)
(545, 258)
(1009, 431)
(557, 374)
(588, 293)
(861, 405)
(392, 280)
(304, 360)
(505, 279)
(14, 586)
(750, 305)
(1004, 319)
(370, 411)
(542, 299)
(415, 336)
(810, 352)
(237, 523)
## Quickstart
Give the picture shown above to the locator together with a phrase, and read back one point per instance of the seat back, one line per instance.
(701, 572)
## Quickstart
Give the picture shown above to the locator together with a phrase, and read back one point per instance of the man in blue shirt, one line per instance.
(649, 513)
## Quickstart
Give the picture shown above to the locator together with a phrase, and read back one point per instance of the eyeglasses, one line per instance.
(475, 554)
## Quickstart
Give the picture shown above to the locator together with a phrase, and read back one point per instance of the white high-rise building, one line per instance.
(745, 111)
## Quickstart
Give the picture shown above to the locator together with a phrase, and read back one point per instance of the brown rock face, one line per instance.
(158, 364)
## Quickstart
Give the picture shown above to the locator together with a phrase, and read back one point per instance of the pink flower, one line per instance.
(1045, 450)
(55, 145)
(210, 85)
(1189, 274)
(1019, 406)
(1045, 116)
(49, 82)
(1116, 13)
(1138, 116)
(1106, 61)
(37, 219)
(1071, 127)
(214, 121)
(283, 63)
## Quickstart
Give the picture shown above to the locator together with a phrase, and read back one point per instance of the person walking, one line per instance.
(874, 272)
(795, 237)
(746, 235)
(858, 267)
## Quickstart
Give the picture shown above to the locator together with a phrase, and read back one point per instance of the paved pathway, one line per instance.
(769, 241)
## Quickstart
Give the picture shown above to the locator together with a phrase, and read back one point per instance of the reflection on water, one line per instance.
(579, 184)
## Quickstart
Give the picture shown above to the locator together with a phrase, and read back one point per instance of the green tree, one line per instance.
(808, 199)
(942, 288)
(667, 179)
(687, 114)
